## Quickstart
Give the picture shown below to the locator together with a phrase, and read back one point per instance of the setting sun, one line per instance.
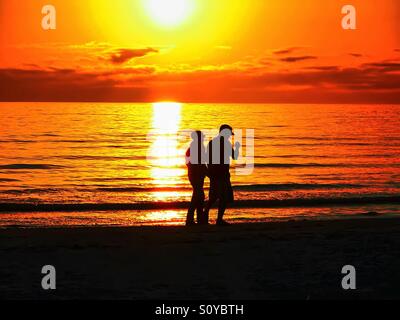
(169, 12)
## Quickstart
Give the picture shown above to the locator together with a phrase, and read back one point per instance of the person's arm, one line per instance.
(235, 151)
(187, 156)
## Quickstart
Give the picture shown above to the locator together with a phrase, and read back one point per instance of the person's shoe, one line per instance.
(203, 223)
(222, 223)
(190, 223)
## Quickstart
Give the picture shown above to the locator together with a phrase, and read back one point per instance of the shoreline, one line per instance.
(181, 224)
(177, 217)
(373, 216)
(273, 203)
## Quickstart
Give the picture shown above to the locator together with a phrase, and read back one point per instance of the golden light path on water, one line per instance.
(165, 157)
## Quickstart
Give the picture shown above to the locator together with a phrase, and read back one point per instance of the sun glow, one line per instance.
(165, 157)
(169, 13)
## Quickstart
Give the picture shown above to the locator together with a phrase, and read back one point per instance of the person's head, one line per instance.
(226, 130)
(197, 135)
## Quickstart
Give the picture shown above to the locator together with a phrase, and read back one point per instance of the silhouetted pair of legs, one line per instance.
(220, 190)
(197, 202)
(197, 205)
(221, 210)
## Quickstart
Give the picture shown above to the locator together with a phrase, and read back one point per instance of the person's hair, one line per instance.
(225, 126)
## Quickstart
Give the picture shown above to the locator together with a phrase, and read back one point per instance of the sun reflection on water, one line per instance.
(165, 156)
(166, 216)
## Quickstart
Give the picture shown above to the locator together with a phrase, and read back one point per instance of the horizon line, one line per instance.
(200, 102)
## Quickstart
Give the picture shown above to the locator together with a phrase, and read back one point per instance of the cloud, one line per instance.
(323, 68)
(121, 56)
(384, 66)
(81, 55)
(356, 55)
(286, 50)
(297, 58)
(348, 85)
(68, 85)
(373, 82)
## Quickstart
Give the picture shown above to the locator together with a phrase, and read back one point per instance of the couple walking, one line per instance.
(213, 162)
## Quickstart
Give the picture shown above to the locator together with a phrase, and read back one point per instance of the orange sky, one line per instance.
(223, 51)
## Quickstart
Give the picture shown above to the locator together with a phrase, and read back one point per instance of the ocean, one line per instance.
(124, 163)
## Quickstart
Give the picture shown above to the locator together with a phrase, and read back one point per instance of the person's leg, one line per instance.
(198, 194)
(190, 213)
(226, 197)
(211, 200)
(221, 210)
(192, 205)
(200, 207)
(207, 208)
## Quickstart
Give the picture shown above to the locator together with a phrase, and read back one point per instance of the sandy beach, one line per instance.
(284, 260)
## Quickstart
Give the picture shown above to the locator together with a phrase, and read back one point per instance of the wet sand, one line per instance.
(282, 260)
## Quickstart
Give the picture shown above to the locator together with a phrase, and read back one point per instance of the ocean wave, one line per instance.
(93, 157)
(295, 165)
(113, 179)
(273, 203)
(24, 166)
(332, 144)
(18, 141)
(251, 188)
(289, 156)
(143, 189)
(31, 191)
(312, 156)
(295, 186)
(322, 165)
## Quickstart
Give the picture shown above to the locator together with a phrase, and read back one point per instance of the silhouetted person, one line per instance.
(195, 161)
(219, 153)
